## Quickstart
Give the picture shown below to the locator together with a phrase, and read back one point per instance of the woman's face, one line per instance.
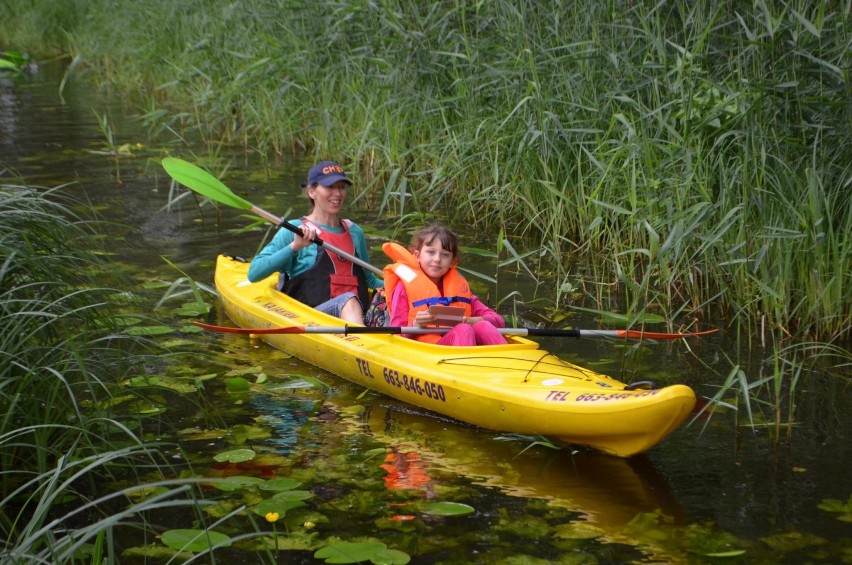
(329, 199)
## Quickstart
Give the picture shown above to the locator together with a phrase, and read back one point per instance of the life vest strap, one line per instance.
(442, 300)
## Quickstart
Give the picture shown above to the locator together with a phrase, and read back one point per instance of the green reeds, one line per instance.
(61, 361)
(698, 151)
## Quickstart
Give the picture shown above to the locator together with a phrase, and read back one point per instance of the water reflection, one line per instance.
(285, 415)
(608, 491)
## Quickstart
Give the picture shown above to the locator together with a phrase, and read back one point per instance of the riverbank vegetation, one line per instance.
(57, 349)
(86, 476)
(699, 151)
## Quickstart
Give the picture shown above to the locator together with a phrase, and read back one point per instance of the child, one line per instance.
(427, 276)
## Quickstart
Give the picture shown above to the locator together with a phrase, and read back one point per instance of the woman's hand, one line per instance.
(309, 234)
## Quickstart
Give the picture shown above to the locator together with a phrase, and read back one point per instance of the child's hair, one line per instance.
(427, 235)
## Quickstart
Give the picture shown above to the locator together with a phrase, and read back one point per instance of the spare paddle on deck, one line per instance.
(346, 330)
(202, 182)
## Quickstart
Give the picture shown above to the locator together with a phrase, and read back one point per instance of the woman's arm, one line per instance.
(275, 257)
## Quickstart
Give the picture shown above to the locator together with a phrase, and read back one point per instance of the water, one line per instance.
(370, 459)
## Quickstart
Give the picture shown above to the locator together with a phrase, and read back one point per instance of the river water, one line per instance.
(714, 485)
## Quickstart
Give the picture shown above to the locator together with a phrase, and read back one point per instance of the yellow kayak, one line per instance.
(514, 388)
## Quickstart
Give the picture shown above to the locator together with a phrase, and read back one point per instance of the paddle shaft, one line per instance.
(549, 332)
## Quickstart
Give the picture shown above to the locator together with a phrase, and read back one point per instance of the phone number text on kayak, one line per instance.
(411, 384)
(563, 396)
(414, 384)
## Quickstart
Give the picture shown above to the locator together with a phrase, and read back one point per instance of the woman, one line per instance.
(310, 273)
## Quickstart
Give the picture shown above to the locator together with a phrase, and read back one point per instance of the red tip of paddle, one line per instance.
(639, 334)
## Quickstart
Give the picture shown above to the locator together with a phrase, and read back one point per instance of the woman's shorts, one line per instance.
(335, 305)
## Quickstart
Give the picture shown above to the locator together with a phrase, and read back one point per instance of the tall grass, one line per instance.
(62, 443)
(699, 151)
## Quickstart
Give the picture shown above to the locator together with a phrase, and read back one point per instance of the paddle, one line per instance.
(346, 330)
(202, 182)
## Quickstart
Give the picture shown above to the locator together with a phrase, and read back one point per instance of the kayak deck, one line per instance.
(515, 388)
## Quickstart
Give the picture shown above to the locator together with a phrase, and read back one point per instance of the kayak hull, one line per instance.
(514, 388)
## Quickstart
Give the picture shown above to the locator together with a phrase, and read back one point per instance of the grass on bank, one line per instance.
(76, 468)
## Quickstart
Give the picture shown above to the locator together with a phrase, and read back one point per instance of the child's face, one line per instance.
(434, 260)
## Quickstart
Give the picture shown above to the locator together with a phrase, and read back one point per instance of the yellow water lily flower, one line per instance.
(272, 516)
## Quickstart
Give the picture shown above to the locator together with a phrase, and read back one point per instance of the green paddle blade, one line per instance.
(197, 179)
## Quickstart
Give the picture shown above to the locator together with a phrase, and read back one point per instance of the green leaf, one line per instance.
(643, 318)
(478, 251)
(579, 531)
(347, 552)
(235, 456)
(733, 553)
(838, 506)
(191, 309)
(143, 381)
(194, 540)
(390, 557)
(148, 330)
(246, 371)
(280, 485)
(278, 505)
(293, 495)
(447, 509)
(237, 384)
(230, 484)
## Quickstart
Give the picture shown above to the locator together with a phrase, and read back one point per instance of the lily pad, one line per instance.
(194, 540)
(237, 384)
(163, 382)
(447, 509)
(390, 557)
(235, 456)
(277, 505)
(193, 309)
(348, 552)
(835, 506)
(236, 482)
(280, 485)
(293, 495)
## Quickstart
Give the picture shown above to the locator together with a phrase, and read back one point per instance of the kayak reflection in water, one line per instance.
(406, 470)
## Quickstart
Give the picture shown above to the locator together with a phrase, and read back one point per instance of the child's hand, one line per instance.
(472, 320)
(424, 318)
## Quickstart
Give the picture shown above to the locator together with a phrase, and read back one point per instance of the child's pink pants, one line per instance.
(480, 333)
